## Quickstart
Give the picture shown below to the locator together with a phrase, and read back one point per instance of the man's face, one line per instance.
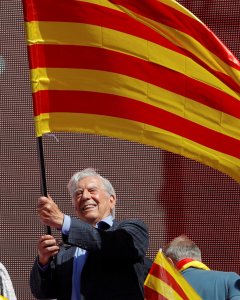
(92, 202)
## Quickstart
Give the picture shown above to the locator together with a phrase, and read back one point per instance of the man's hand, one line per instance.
(47, 248)
(49, 212)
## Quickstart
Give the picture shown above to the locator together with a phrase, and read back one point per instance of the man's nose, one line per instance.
(86, 194)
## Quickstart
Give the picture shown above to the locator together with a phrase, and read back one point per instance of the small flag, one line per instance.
(164, 282)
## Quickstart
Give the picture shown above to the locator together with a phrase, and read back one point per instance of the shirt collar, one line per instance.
(108, 220)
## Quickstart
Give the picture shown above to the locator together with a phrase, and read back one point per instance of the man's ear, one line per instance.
(171, 261)
(112, 201)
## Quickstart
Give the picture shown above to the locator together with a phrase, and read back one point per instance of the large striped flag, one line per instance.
(165, 282)
(147, 71)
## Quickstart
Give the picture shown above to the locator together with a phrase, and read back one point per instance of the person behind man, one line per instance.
(101, 258)
(6, 287)
(209, 284)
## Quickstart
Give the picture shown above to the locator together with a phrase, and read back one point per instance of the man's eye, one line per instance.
(92, 191)
(78, 193)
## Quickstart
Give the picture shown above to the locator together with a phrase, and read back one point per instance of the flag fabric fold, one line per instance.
(145, 71)
(165, 282)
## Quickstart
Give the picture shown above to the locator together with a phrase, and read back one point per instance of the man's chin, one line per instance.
(89, 217)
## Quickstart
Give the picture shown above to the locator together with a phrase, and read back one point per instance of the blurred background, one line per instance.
(172, 194)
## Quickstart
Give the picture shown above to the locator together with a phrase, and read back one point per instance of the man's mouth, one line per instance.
(88, 207)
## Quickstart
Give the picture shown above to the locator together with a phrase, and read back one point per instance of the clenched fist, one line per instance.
(49, 212)
(47, 248)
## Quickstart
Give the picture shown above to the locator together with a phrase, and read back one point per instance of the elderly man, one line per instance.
(101, 259)
(209, 284)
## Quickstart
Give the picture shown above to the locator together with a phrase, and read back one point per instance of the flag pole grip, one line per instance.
(42, 173)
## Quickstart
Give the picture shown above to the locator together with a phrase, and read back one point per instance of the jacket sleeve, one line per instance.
(233, 286)
(127, 239)
(41, 282)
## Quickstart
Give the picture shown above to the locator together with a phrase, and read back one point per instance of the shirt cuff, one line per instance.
(43, 268)
(66, 225)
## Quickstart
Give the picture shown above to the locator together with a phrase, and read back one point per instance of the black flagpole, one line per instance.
(43, 173)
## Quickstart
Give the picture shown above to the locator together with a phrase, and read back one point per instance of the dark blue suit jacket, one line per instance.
(114, 269)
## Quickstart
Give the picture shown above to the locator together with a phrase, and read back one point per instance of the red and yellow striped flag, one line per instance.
(164, 282)
(146, 71)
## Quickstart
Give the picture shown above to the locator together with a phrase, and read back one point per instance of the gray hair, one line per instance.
(72, 185)
(182, 247)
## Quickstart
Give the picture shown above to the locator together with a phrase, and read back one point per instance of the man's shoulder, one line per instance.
(225, 274)
(129, 222)
(229, 279)
(212, 274)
